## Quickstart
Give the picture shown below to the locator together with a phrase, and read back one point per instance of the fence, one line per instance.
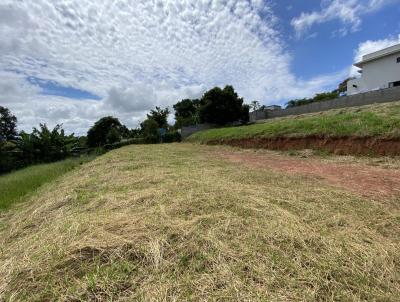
(367, 98)
(189, 130)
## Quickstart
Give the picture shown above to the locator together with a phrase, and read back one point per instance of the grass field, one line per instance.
(380, 120)
(177, 222)
(16, 185)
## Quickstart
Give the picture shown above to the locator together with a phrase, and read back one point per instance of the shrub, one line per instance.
(171, 137)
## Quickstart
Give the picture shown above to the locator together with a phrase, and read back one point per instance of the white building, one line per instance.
(379, 70)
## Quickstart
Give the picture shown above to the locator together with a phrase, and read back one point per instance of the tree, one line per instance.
(221, 106)
(186, 108)
(113, 136)
(150, 131)
(97, 134)
(186, 113)
(255, 105)
(244, 119)
(45, 145)
(324, 96)
(8, 124)
(160, 116)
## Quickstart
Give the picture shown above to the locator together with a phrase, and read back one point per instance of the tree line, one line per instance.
(20, 149)
(319, 97)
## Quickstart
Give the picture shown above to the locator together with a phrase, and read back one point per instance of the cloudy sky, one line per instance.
(74, 61)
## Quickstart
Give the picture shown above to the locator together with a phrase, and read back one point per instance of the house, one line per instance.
(379, 70)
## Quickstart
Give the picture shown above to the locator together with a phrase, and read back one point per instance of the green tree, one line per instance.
(186, 108)
(150, 131)
(8, 124)
(45, 145)
(244, 119)
(221, 106)
(160, 116)
(113, 136)
(186, 113)
(97, 134)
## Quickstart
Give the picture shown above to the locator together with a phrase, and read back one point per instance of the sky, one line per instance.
(75, 61)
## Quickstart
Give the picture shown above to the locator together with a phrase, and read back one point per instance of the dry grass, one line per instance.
(173, 223)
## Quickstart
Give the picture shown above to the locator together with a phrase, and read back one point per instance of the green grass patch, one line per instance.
(16, 185)
(381, 120)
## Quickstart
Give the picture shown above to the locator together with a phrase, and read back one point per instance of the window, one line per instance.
(394, 84)
(398, 60)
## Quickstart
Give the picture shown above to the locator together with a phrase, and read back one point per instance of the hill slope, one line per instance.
(380, 121)
(177, 222)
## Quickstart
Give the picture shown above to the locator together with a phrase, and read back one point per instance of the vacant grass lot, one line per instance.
(16, 185)
(178, 223)
(380, 120)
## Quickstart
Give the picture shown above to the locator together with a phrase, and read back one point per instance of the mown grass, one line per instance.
(176, 223)
(15, 186)
(380, 120)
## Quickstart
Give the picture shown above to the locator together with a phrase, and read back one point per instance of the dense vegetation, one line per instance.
(217, 106)
(42, 145)
(16, 185)
(107, 130)
(319, 97)
(373, 120)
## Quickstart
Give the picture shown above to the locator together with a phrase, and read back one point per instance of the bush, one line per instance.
(120, 144)
(171, 137)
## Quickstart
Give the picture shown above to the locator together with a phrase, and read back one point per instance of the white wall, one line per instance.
(376, 75)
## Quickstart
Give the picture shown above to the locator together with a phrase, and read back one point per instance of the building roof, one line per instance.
(378, 55)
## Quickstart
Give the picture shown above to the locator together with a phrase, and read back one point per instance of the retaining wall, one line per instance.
(189, 130)
(257, 115)
(367, 98)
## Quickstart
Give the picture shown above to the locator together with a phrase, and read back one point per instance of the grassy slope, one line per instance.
(15, 185)
(174, 223)
(381, 120)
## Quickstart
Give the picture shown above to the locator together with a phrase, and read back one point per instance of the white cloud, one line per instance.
(14, 88)
(138, 54)
(369, 47)
(349, 12)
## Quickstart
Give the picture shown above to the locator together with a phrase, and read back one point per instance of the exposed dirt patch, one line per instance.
(358, 178)
(336, 145)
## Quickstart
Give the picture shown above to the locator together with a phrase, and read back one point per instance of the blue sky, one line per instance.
(75, 61)
(320, 51)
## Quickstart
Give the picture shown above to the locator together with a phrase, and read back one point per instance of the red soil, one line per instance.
(336, 145)
(361, 179)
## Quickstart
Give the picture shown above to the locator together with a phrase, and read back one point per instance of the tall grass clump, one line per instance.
(16, 185)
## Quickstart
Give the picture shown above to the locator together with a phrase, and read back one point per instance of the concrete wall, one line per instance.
(187, 131)
(377, 96)
(257, 115)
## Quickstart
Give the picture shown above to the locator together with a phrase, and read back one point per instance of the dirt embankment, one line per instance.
(336, 145)
(358, 178)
